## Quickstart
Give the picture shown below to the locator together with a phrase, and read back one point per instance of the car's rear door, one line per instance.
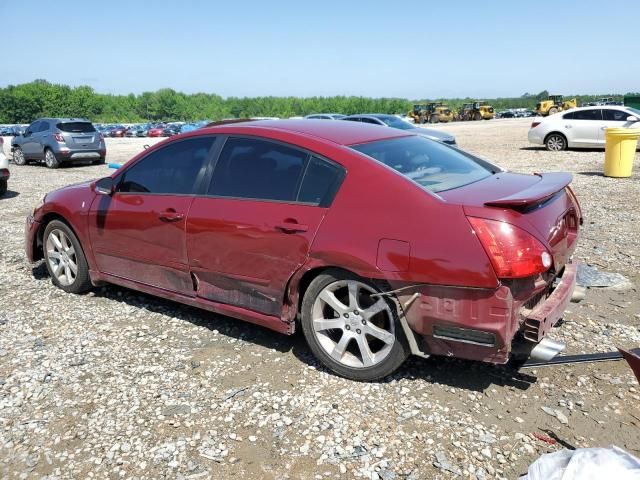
(138, 233)
(254, 227)
(586, 126)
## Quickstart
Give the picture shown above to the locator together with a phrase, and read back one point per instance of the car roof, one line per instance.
(341, 133)
(65, 119)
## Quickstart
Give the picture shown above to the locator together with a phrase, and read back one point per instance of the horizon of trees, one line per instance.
(25, 102)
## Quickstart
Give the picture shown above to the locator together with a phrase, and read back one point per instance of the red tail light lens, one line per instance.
(58, 137)
(513, 252)
(534, 124)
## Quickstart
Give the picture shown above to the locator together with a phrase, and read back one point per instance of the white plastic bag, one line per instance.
(585, 464)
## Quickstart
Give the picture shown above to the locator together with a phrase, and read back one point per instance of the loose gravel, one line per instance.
(118, 384)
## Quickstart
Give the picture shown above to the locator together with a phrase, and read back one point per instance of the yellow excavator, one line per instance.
(554, 104)
(431, 113)
(476, 111)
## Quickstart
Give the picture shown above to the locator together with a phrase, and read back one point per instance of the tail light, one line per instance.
(513, 252)
(58, 137)
(534, 124)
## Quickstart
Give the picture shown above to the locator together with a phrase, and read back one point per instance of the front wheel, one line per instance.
(65, 259)
(18, 157)
(353, 332)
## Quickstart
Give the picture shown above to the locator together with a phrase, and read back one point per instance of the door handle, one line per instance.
(291, 227)
(567, 126)
(171, 215)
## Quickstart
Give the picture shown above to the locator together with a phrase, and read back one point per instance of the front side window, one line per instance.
(43, 127)
(171, 170)
(612, 115)
(591, 114)
(433, 166)
(257, 169)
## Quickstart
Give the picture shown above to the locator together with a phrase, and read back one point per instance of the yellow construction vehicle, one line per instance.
(431, 113)
(554, 104)
(476, 111)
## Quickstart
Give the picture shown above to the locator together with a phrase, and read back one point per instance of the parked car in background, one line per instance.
(188, 127)
(171, 130)
(155, 131)
(325, 116)
(118, 131)
(4, 169)
(582, 127)
(395, 122)
(275, 221)
(58, 140)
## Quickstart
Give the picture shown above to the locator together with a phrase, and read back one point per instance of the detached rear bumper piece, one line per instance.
(481, 324)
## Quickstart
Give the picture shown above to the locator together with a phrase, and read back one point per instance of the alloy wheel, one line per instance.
(555, 143)
(62, 257)
(351, 325)
(50, 159)
(18, 157)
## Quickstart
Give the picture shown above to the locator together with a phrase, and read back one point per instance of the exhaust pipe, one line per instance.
(546, 350)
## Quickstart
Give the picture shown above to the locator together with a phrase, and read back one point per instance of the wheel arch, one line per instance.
(555, 132)
(47, 218)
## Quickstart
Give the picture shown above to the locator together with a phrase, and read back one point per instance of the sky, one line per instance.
(409, 49)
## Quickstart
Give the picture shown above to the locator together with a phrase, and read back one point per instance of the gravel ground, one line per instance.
(117, 384)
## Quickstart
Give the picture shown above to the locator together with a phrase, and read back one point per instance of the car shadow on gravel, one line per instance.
(451, 372)
(9, 194)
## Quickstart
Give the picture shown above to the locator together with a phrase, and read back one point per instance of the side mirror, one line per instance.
(632, 118)
(105, 186)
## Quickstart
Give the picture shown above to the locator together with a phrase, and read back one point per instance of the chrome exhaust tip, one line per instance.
(546, 350)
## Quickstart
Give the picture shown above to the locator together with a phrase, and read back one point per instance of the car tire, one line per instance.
(100, 161)
(356, 336)
(50, 159)
(18, 157)
(3, 187)
(65, 258)
(555, 142)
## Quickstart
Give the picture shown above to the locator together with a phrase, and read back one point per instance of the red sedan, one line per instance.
(155, 132)
(376, 242)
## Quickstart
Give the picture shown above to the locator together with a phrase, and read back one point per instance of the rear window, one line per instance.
(76, 127)
(433, 166)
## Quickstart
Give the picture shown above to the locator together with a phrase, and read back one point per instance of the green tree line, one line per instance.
(26, 102)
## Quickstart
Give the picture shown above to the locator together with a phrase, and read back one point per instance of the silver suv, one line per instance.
(58, 140)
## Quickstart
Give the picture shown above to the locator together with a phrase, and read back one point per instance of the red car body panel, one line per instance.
(249, 259)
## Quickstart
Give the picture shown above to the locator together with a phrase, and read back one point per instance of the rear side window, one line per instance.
(430, 164)
(257, 169)
(591, 114)
(321, 182)
(75, 127)
(568, 116)
(171, 170)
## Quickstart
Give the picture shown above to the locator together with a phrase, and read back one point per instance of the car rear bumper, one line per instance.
(89, 154)
(484, 324)
(31, 228)
(535, 137)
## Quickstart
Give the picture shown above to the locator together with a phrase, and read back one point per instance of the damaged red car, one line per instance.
(376, 242)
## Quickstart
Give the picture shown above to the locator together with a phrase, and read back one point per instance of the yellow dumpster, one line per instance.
(620, 151)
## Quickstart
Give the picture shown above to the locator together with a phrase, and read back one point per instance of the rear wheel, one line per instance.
(350, 330)
(3, 187)
(18, 156)
(65, 259)
(50, 159)
(100, 161)
(555, 142)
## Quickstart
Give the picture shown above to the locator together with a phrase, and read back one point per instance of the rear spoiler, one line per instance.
(549, 185)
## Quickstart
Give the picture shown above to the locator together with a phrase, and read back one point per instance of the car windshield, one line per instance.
(433, 166)
(396, 122)
(76, 127)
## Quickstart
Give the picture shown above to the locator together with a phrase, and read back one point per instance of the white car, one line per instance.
(4, 169)
(582, 127)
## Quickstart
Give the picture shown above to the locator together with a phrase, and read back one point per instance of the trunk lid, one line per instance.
(541, 204)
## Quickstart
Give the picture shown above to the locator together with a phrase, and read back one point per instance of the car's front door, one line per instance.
(29, 140)
(137, 233)
(254, 227)
(613, 118)
(585, 127)
(40, 139)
